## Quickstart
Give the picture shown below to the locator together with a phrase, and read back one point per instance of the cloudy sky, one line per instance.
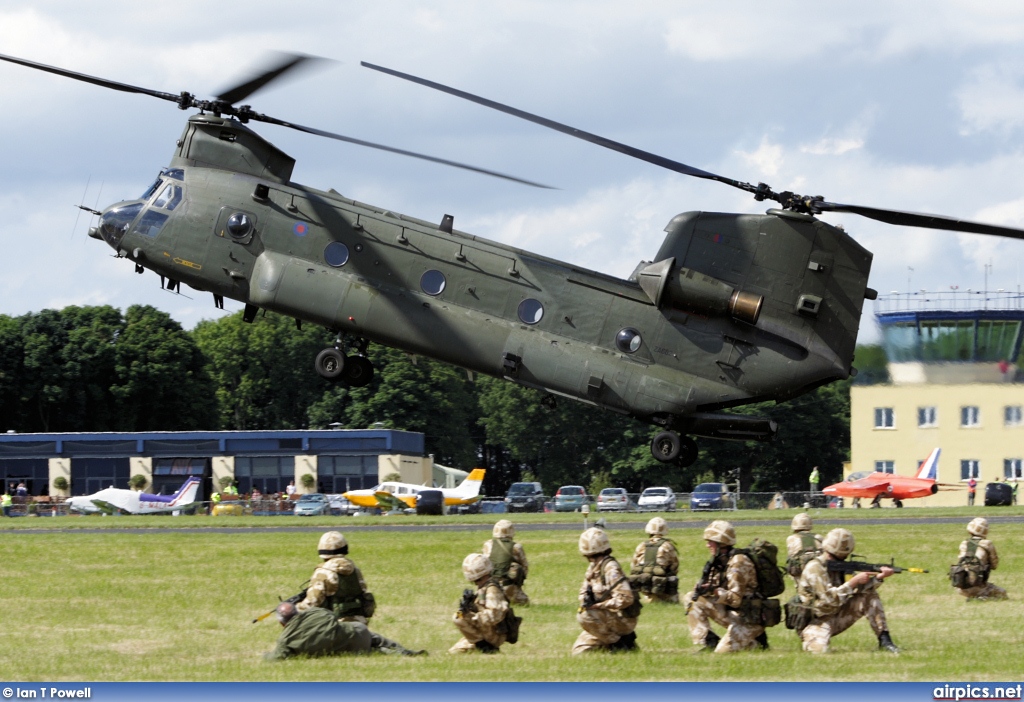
(914, 106)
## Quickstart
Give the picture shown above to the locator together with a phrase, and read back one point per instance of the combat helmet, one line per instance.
(656, 527)
(504, 529)
(978, 527)
(721, 532)
(476, 566)
(332, 544)
(802, 522)
(838, 542)
(594, 541)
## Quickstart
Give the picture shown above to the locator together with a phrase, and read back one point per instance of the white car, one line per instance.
(656, 499)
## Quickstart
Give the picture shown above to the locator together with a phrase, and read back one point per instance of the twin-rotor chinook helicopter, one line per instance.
(734, 308)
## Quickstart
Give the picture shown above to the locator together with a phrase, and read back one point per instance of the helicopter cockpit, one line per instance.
(117, 220)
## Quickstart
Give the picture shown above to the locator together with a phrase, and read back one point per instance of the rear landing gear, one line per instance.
(356, 370)
(669, 447)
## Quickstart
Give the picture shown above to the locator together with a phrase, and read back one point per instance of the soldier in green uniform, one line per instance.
(316, 632)
(337, 584)
(509, 561)
(654, 570)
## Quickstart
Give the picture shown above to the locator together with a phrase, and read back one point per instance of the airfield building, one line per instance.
(338, 460)
(955, 382)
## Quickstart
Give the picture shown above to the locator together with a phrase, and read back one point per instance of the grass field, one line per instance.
(177, 605)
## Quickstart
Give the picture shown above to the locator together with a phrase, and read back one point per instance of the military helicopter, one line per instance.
(732, 309)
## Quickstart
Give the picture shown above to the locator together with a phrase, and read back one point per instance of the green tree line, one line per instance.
(86, 369)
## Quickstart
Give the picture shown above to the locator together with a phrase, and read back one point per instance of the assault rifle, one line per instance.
(294, 599)
(467, 605)
(703, 586)
(588, 600)
(863, 566)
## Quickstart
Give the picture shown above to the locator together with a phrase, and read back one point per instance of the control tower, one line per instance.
(955, 383)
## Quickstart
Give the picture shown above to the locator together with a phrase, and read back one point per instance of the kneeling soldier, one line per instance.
(977, 558)
(728, 579)
(834, 605)
(654, 569)
(481, 616)
(337, 584)
(608, 607)
(802, 545)
(509, 561)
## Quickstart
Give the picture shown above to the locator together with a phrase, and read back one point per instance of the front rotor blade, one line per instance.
(571, 131)
(927, 221)
(283, 64)
(113, 85)
(390, 149)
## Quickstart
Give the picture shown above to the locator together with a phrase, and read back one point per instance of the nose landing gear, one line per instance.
(355, 370)
(669, 447)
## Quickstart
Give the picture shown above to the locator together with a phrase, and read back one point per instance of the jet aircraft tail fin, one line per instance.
(929, 469)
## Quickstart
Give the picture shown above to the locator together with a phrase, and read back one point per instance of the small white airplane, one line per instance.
(387, 495)
(113, 500)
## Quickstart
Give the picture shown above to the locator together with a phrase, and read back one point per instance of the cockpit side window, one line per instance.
(151, 189)
(169, 198)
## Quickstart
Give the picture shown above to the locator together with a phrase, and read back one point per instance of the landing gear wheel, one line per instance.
(330, 363)
(665, 446)
(687, 452)
(358, 371)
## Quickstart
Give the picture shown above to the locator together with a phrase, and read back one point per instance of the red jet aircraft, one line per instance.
(878, 485)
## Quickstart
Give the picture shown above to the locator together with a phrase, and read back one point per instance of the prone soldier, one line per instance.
(834, 605)
(481, 616)
(509, 561)
(316, 632)
(654, 570)
(977, 558)
(608, 608)
(728, 581)
(337, 584)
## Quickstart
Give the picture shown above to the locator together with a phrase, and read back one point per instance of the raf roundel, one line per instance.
(300, 229)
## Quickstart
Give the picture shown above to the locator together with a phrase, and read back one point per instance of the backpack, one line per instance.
(770, 577)
(968, 571)
(808, 550)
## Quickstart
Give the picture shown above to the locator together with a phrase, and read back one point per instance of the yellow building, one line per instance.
(951, 387)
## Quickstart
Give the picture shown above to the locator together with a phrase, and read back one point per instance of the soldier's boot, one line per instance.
(388, 647)
(485, 647)
(711, 641)
(762, 641)
(885, 642)
(626, 642)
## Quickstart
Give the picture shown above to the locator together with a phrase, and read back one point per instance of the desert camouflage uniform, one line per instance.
(835, 605)
(324, 583)
(603, 623)
(722, 605)
(482, 625)
(513, 592)
(989, 559)
(667, 558)
(795, 544)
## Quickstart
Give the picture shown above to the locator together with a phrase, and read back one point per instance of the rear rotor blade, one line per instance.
(114, 85)
(571, 131)
(283, 63)
(917, 219)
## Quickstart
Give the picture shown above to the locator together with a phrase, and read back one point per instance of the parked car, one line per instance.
(314, 504)
(570, 498)
(613, 500)
(656, 499)
(711, 496)
(836, 503)
(339, 505)
(525, 497)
